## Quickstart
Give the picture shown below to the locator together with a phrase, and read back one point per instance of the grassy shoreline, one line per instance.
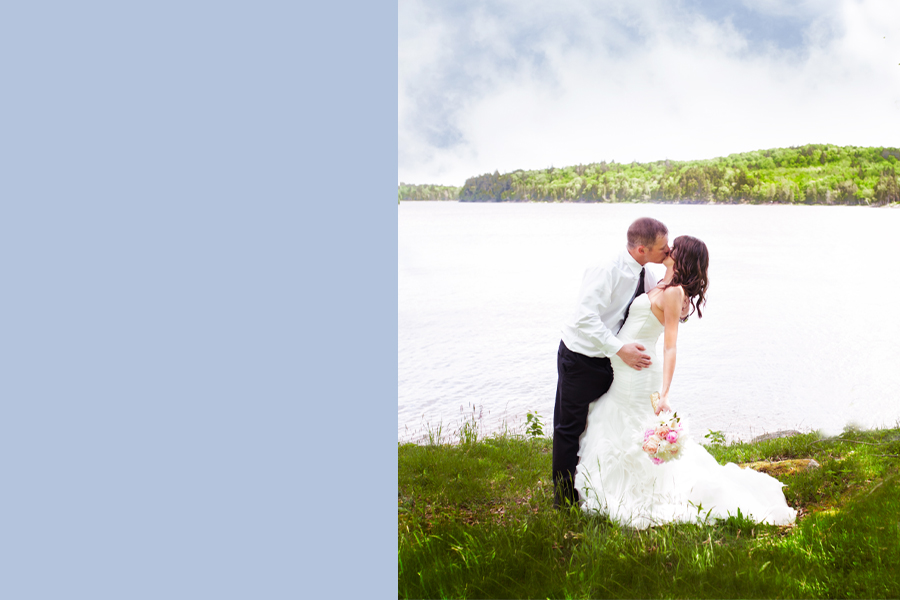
(475, 520)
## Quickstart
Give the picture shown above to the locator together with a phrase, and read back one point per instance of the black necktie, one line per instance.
(637, 292)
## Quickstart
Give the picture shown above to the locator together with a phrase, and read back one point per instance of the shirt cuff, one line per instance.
(616, 345)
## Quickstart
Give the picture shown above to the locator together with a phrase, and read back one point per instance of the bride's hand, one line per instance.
(663, 405)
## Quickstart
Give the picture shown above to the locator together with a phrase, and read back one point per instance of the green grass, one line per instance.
(475, 520)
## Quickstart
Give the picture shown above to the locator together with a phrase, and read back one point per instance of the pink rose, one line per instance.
(651, 445)
(672, 437)
(648, 433)
(662, 431)
(656, 461)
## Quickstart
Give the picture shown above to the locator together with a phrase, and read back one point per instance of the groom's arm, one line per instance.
(586, 330)
(586, 333)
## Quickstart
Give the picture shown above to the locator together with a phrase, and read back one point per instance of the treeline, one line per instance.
(408, 191)
(811, 174)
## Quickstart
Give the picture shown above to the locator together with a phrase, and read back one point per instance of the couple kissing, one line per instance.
(608, 370)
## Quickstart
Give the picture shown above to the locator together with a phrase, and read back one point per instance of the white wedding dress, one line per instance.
(615, 476)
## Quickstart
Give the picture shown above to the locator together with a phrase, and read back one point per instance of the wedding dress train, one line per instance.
(616, 477)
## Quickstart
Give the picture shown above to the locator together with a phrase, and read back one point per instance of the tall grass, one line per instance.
(475, 520)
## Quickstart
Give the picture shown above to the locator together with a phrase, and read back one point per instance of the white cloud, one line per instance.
(534, 85)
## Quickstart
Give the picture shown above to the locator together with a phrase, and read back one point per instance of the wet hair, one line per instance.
(691, 265)
(645, 231)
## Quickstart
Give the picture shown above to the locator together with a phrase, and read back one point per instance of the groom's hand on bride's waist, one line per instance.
(633, 355)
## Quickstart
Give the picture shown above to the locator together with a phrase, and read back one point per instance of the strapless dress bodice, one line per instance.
(642, 326)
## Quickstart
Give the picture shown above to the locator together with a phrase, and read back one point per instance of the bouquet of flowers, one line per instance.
(665, 437)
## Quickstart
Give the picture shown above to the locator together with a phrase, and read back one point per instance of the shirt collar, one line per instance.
(634, 265)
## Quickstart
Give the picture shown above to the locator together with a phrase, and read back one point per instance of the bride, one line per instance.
(615, 476)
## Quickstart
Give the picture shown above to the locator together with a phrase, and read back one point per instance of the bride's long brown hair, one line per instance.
(691, 265)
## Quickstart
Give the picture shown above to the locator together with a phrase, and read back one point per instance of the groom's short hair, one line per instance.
(645, 231)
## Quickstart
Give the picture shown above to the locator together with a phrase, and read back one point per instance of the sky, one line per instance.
(487, 85)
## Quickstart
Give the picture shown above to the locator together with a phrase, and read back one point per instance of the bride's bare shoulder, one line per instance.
(672, 296)
(674, 292)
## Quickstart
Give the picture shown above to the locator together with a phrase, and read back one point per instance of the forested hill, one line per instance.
(811, 174)
(407, 191)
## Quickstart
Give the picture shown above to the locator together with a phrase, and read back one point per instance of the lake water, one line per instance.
(800, 330)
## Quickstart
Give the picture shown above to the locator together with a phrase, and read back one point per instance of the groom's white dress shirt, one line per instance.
(606, 291)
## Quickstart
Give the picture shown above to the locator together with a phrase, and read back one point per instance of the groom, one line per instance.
(589, 339)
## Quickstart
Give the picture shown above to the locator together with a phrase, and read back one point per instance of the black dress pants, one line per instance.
(582, 379)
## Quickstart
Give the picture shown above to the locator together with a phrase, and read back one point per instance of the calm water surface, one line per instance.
(800, 330)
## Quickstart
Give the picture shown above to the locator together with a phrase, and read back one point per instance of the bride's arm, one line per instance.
(672, 300)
